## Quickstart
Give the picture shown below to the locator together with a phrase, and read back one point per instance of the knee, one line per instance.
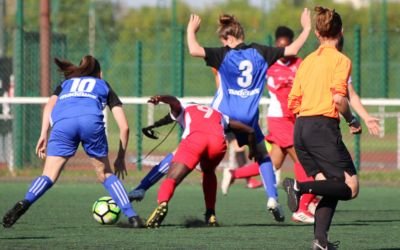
(354, 190)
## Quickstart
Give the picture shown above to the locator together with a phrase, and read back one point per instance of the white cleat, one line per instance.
(227, 180)
(312, 206)
(303, 217)
(276, 210)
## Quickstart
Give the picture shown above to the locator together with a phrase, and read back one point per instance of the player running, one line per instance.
(241, 73)
(75, 110)
(280, 124)
(202, 142)
(318, 95)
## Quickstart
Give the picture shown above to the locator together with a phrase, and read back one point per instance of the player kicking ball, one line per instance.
(202, 142)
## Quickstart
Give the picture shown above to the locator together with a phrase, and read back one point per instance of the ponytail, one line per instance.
(88, 66)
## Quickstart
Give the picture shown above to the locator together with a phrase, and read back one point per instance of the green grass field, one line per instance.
(62, 220)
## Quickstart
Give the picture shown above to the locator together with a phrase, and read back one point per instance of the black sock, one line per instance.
(334, 189)
(240, 158)
(323, 218)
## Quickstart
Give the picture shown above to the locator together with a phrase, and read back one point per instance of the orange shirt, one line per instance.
(320, 76)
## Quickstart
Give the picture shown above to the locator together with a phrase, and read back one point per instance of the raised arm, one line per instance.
(371, 122)
(172, 101)
(195, 49)
(42, 142)
(295, 47)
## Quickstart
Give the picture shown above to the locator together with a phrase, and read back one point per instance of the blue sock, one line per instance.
(117, 191)
(156, 173)
(38, 187)
(268, 177)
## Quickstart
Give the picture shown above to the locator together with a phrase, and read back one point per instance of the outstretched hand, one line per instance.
(194, 23)
(154, 99)
(373, 125)
(120, 168)
(41, 147)
(305, 19)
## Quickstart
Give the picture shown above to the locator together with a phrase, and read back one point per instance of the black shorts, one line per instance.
(319, 147)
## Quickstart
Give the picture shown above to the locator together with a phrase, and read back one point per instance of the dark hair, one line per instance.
(340, 43)
(88, 66)
(283, 31)
(328, 22)
(229, 26)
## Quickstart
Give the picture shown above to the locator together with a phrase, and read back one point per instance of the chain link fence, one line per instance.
(165, 67)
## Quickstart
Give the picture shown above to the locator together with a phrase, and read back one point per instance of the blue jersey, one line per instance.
(83, 96)
(242, 75)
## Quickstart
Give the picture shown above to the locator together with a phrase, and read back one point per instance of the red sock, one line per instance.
(166, 190)
(210, 189)
(301, 176)
(247, 171)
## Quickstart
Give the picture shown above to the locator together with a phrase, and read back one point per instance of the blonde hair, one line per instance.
(229, 26)
(328, 22)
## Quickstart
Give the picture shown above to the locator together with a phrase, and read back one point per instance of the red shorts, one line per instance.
(207, 149)
(280, 131)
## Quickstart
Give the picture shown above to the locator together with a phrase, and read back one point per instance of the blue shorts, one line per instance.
(242, 138)
(66, 135)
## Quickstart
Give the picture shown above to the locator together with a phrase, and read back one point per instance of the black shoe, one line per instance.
(211, 219)
(317, 245)
(158, 215)
(293, 195)
(136, 222)
(14, 213)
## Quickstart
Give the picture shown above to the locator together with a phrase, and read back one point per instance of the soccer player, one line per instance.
(202, 142)
(318, 95)
(75, 110)
(280, 124)
(241, 73)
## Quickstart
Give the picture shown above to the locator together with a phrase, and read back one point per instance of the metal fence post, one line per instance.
(385, 58)
(138, 93)
(19, 79)
(356, 80)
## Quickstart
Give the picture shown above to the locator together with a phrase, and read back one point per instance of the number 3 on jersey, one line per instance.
(82, 85)
(246, 67)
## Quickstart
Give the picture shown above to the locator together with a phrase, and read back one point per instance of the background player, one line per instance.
(202, 142)
(318, 95)
(241, 72)
(280, 122)
(75, 110)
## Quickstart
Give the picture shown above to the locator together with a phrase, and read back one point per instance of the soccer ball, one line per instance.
(105, 211)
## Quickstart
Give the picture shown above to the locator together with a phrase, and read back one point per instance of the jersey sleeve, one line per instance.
(341, 76)
(270, 54)
(58, 90)
(112, 98)
(225, 121)
(215, 56)
(180, 118)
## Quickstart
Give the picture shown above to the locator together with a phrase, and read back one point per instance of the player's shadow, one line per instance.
(26, 238)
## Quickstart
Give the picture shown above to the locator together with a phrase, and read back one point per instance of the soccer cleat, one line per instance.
(136, 222)
(227, 180)
(303, 216)
(253, 183)
(276, 210)
(14, 213)
(293, 195)
(158, 215)
(136, 195)
(211, 219)
(316, 245)
(313, 205)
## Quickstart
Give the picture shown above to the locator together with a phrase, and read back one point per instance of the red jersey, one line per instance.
(280, 78)
(203, 119)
